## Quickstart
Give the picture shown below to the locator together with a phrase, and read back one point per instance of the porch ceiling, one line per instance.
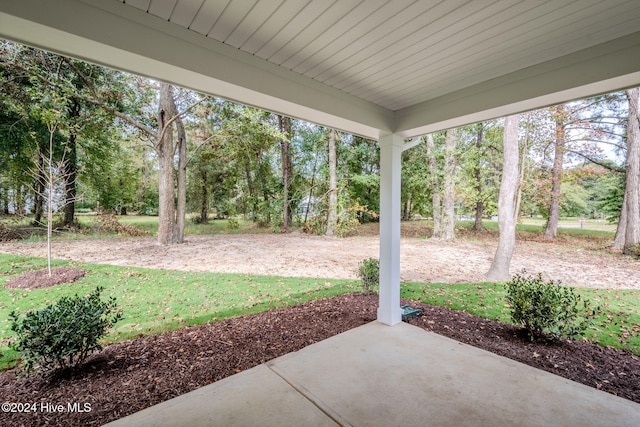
(364, 66)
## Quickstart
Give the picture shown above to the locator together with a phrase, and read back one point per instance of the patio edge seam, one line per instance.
(315, 401)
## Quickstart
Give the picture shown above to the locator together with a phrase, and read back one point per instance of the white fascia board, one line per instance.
(119, 36)
(600, 69)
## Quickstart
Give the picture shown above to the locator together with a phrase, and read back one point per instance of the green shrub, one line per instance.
(369, 273)
(233, 224)
(63, 334)
(547, 307)
(351, 217)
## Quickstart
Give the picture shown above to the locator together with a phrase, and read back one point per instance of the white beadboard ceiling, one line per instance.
(397, 53)
(389, 65)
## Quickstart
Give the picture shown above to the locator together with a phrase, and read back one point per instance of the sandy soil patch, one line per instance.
(301, 255)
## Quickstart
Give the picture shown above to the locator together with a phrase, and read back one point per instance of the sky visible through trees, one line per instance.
(131, 145)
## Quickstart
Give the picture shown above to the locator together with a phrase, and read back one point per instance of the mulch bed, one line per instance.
(41, 279)
(130, 376)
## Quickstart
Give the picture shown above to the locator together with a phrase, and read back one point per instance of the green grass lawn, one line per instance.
(574, 224)
(153, 301)
(566, 227)
(217, 226)
(617, 325)
(89, 227)
(597, 229)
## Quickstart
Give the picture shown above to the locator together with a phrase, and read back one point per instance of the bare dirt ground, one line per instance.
(466, 259)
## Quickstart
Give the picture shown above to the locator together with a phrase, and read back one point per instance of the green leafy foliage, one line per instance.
(369, 273)
(64, 334)
(350, 218)
(547, 307)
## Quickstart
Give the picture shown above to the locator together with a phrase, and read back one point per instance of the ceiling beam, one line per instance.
(116, 35)
(600, 69)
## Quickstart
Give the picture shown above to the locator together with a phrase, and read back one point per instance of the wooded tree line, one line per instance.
(131, 145)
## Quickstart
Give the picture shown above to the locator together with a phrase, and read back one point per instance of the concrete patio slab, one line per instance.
(377, 375)
(256, 397)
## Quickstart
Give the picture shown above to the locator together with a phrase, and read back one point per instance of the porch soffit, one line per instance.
(368, 67)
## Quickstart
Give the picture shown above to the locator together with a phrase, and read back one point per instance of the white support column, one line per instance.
(391, 147)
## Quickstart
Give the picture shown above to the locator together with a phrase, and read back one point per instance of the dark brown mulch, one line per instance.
(40, 278)
(127, 377)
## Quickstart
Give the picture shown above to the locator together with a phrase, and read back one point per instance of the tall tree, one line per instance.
(435, 179)
(479, 181)
(442, 169)
(499, 269)
(71, 165)
(524, 154)
(311, 140)
(332, 218)
(50, 75)
(171, 214)
(287, 169)
(560, 121)
(449, 191)
(252, 137)
(631, 202)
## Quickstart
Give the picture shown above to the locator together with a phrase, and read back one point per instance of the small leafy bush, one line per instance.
(547, 307)
(233, 224)
(315, 225)
(64, 334)
(369, 273)
(352, 217)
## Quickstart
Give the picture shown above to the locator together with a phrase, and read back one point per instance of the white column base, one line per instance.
(390, 316)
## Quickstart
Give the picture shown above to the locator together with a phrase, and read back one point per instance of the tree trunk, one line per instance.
(181, 211)
(170, 218)
(253, 200)
(621, 229)
(287, 169)
(332, 219)
(71, 167)
(551, 230)
(407, 209)
(448, 200)
(39, 193)
(477, 172)
(204, 198)
(499, 269)
(632, 189)
(50, 182)
(313, 181)
(4, 207)
(523, 162)
(165, 151)
(436, 198)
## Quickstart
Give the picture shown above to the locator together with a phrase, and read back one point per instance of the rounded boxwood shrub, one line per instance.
(64, 334)
(547, 307)
(369, 273)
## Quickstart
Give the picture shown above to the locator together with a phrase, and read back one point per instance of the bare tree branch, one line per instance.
(606, 165)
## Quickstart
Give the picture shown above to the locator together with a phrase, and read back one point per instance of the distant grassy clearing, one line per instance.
(589, 224)
(89, 227)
